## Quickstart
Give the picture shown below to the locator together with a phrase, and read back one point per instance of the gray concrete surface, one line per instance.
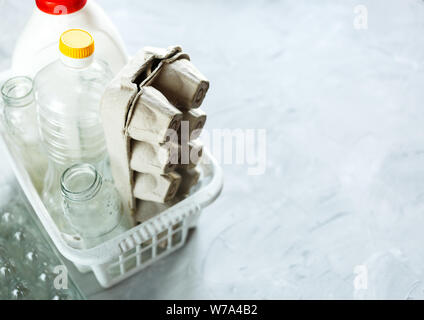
(341, 203)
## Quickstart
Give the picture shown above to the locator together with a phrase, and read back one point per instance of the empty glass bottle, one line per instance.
(20, 118)
(92, 205)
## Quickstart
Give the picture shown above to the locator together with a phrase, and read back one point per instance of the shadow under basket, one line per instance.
(138, 248)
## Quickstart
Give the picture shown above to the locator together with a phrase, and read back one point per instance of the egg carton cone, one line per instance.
(181, 82)
(154, 158)
(190, 154)
(192, 125)
(156, 188)
(189, 178)
(149, 209)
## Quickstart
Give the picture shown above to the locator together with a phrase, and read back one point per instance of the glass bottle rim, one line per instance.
(87, 192)
(22, 99)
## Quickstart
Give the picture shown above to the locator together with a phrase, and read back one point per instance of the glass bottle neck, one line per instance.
(80, 183)
(18, 92)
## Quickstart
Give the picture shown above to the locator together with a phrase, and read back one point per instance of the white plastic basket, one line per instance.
(131, 252)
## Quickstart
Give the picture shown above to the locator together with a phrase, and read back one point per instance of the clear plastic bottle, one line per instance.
(92, 205)
(68, 93)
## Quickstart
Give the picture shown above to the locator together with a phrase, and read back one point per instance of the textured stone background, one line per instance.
(343, 110)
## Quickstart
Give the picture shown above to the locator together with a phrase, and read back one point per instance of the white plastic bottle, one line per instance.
(68, 92)
(37, 45)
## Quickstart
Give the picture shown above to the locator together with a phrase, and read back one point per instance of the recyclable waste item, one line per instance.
(142, 110)
(27, 259)
(152, 117)
(68, 93)
(167, 228)
(159, 188)
(190, 178)
(20, 121)
(37, 45)
(191, 153)
(146, 209)
(92, 205)
(154, 158)
(179, 80)
(194, 120)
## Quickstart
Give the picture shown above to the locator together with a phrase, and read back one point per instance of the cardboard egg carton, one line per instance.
(148, 209)
(142, 110)
(195, 121)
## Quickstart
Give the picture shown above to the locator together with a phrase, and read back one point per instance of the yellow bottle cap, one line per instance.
(76, 44)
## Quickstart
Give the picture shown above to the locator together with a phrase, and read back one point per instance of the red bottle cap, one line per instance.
(60, 7)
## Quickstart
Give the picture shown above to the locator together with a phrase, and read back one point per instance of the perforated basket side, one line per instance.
(155, 240)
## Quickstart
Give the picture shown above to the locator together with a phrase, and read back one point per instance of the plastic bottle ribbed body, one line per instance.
(70, 124)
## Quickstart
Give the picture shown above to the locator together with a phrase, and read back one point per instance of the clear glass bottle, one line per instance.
(20, 118)
(92, 205)
(68, 93)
